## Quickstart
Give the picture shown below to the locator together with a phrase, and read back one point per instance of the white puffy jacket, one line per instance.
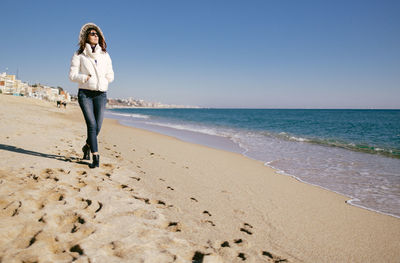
(97, 64)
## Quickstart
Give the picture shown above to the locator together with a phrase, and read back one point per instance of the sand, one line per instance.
(158, 199)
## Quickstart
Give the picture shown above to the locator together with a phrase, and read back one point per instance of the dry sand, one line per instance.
(158, 199)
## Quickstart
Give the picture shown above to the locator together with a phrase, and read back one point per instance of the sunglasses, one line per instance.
(93, 34)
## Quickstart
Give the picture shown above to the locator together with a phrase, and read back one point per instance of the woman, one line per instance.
(91, 67)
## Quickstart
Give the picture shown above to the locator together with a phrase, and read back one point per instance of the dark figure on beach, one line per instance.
(91, 68)
(63, 103)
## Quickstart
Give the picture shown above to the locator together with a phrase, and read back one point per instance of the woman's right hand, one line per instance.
(88, 77)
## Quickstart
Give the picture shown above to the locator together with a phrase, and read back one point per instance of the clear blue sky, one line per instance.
(263, 54)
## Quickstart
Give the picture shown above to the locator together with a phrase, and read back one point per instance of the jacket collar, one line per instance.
(88, 51)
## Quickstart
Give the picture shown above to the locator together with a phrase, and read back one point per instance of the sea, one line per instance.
(349, 151)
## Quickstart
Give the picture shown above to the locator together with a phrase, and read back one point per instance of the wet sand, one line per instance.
(158, 199)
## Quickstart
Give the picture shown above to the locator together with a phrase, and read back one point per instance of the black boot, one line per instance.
(96, 161)
(86, 152)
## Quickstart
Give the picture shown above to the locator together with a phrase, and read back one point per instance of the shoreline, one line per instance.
(196, 139)
(277, 170)
(163, 199)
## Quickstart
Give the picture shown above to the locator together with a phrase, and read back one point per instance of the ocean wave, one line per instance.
(358, 147)
(394, 153)
(132, 115)
(285, 136)
(204, 130)
(298, 139)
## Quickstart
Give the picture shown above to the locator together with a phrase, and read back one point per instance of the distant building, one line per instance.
(138, 103)
(9, 85)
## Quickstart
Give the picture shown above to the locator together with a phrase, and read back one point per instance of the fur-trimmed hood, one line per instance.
(84, 28)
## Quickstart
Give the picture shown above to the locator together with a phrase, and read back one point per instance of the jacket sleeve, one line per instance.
(110, 72)
(74, 74)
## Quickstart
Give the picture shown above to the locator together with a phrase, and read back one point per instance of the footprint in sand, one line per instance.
(246, 228)
(42, 219)
(208, 222)
(146, 200)
(33, 176)
(75, 227)
(275, 259)
(160, 203)
(124, 186)
(198, 257)
(136, 178)
(13, 208)
(240, 242)
(108, 166)
(81, 172)
(100, 207)
(174, 226)
(49, 174)
(87, 201)
(33, 239)
(76, 249)
(206, 212)
(225, 244)
(242, 256)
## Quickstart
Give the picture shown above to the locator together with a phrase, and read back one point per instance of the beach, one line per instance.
(159, 199)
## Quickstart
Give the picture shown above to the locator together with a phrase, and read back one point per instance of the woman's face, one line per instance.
(93, 37)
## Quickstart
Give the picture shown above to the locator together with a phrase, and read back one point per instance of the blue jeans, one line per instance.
(93, 104)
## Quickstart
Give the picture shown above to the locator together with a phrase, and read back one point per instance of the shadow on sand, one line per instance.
(45, 155)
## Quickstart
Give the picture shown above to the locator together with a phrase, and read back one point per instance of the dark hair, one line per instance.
(102, 42)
